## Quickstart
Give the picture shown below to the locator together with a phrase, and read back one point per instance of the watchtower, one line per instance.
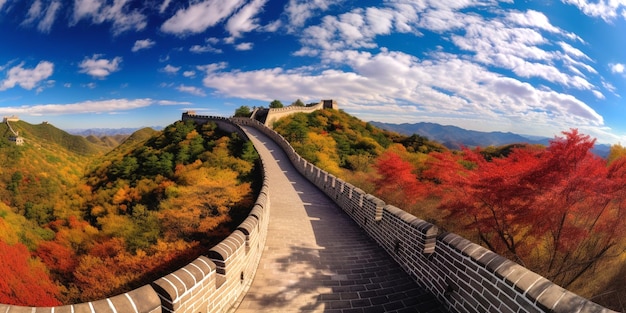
(330, 104)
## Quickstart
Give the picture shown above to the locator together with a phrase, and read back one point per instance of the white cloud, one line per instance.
(523, 51)
(45, 25)
(200, 16)
(170, 69)
(617, 68)
(189, 73)
(102, 106)
(27, 78)
(45, 16)
(299, 11)
(164, 5)
(171, 102)
(398, 84)
(356, 29)
(98, 67)
(118, 13)
(208, 47)
(533, 19)
(243, 21)
(33, 13)
(598, 94)
(244, 46)
(203, 49)
(606, 10)
(191, 90)
(510, 40)
(272, 27)
(143, 44)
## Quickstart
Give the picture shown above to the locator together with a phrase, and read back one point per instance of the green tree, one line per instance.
(276, 104)
(248, 152)
(14, 185)
(298, 103)
(243, 111)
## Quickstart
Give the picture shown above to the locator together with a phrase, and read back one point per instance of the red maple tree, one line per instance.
(397, 181)
(557, 211)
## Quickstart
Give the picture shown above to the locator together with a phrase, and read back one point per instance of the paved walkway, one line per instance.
(316, 259)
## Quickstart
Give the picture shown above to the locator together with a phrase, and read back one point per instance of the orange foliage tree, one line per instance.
(557, 211)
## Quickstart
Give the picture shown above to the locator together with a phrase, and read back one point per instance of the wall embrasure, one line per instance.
(461, 274)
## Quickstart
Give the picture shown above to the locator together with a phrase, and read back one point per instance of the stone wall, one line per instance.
(463, 275)
(212, 283)
(274, 114)
(222, 123)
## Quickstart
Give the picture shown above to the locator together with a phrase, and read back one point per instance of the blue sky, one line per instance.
(529, 67)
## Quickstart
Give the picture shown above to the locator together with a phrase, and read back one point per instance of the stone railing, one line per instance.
(212, 283)
(463, 275)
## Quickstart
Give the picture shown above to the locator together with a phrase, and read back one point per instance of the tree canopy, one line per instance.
(276, 104)
(243, 111)
(77, 228)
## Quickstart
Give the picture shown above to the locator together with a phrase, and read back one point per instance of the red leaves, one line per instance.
(57, 257)
(23, 280)
(562, 204)
(397, 180)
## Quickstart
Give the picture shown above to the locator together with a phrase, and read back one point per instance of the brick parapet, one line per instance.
(143, 299)
(275, 114)
(461, 274)
(213, 283)
(466, 277)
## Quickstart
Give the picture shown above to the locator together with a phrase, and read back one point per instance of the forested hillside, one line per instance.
(558, 209)
(78, 224)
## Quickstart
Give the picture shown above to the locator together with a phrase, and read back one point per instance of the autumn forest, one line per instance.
(78, 223)
(85, 218)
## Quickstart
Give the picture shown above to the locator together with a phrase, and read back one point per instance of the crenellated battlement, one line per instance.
(464, 276)
(271, 115)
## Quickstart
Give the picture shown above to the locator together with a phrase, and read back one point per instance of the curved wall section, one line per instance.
(212, 283)
(463, 275)
(277, 113)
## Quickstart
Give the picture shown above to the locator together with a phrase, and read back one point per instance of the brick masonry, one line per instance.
(464, 276)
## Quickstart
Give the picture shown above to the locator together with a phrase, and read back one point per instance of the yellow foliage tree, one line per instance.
(202, 202)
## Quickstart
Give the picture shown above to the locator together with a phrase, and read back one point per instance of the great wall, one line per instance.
(461, 275)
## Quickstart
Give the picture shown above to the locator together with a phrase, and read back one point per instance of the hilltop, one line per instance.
(48, 136)
(336, 140)
(36, 174)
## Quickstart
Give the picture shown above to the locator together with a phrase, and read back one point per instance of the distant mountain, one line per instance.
(51, 137)
(101, 132)
(454, 137)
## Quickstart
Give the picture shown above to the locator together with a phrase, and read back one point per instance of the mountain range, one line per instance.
(100, 132)
(454, 137)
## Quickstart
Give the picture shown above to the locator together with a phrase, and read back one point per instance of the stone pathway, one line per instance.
(316, 259)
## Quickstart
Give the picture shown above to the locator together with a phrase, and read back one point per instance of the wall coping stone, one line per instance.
(225, 249)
